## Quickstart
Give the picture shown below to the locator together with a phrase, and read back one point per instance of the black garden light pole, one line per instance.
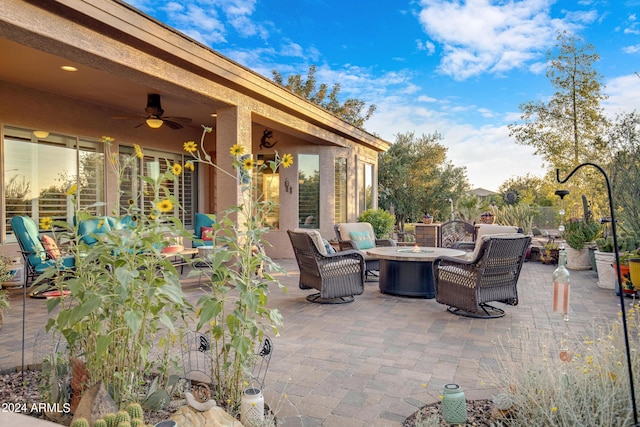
(619, 276)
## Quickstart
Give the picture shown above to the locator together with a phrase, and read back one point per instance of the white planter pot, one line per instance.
(606, 272)
(578, 260)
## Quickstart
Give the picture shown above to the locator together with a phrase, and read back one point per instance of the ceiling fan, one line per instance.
(155, 118)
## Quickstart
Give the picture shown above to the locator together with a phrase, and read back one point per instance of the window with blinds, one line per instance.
(38, 172)
(154, 163)
(269, 191)
(365, 186)
(309, 190)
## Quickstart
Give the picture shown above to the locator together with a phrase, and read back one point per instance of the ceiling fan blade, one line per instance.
(178, 119)
(138, 125)
(173, 125)
(127, 117)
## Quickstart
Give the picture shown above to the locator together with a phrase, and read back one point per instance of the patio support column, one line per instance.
(233, 126)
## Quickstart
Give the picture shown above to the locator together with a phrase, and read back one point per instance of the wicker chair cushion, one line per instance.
(347, 227)
(316, 237)
(484, 238)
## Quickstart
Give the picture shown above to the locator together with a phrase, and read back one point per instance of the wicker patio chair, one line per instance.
(489, 274)
(454, 231)
(337, 276)
(345, 240)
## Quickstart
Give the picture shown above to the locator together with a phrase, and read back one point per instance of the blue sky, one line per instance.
(460, 68)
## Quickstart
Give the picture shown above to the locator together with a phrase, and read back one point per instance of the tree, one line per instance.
(350, 110)
(415, 178)
(625, 169)
(531, 190)
(567, 130)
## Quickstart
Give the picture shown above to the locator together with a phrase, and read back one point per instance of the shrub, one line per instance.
(382, 222)
(590, 389)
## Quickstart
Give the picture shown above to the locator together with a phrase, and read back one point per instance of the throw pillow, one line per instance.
(206, 233)
(362, 239)
(330, 249)
(50, 246)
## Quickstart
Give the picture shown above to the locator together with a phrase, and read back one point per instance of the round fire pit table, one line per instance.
(407, 270)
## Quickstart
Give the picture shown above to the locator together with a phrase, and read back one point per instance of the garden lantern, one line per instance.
(454, 404)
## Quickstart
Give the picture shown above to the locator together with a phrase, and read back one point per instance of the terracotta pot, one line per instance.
(627, 285)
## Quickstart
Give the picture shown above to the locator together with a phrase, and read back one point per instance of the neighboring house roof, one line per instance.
(481, 192)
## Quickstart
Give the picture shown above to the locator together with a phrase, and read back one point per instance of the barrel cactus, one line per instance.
(80, 422)
(110, 419)
(135, 411)
(100, 423)
(124, 424)
(122, 416)
(138, 422)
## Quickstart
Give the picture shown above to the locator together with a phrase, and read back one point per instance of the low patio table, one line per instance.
(408, 270)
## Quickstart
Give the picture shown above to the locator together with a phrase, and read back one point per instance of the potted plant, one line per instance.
(427, 219)
(627, 284)
(549, 253)
(579, 235)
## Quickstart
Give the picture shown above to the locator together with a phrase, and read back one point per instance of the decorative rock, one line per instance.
(95, 404)
(197, 405)
(214, 417)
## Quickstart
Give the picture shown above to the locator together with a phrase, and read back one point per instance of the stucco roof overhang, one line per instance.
(131, 54)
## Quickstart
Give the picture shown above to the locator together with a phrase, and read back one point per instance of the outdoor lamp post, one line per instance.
(619, 275)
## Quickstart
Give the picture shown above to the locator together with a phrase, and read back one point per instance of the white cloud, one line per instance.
(489, 155)
(624, 92)
(427, 46)
(480, 36)
(632, 49)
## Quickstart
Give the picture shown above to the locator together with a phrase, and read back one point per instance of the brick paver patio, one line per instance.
(375, 361)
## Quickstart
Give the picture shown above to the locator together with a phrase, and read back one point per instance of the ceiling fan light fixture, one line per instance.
(154, 123)
(40, 134)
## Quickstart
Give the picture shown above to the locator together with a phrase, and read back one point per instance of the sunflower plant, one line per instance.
(234, 313)
(126, 297)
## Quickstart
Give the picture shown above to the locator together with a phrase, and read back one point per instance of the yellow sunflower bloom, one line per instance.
(72, 190)
(248, 163)
(138, 151)
(287, 160)
(190, 147)
(189, 166)
(176, 169)
(236, 150)
(106, 139)
(45, 223)
(165, 206)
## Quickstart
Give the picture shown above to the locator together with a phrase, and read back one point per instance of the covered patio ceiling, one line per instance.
(25, 66)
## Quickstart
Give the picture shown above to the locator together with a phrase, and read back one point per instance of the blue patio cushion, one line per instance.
(68, 262)
(202, 220)
(124, 223)
(27, 233)
(90, 229)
